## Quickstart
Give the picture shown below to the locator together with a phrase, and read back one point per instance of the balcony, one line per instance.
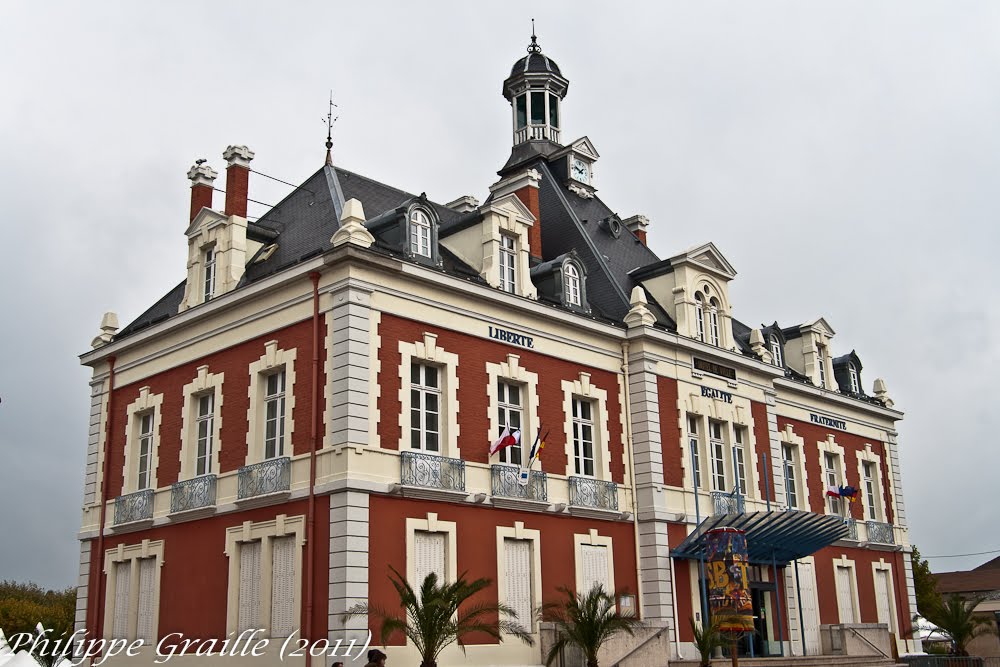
(134, 508)
(265, 480)
(852, 528)
(880, 533)
(593, 494)
(431, 476)
(192, 495)
(508, 488)
(724, 502)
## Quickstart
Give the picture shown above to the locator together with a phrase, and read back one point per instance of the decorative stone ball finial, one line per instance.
(882, 393)
(109, 327)
(639, 314)
(352, 226)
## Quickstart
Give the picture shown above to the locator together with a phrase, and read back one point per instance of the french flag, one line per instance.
(506, 439)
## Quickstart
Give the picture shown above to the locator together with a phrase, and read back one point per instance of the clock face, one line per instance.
(580, 171)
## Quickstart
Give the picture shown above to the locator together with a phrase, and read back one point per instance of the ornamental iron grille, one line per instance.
(136, 506)
(270, 476)
(436, 472)
(727, 503)
(880, 533)
(192, 494)
(507, 483)
(852, 528)
(589, 492)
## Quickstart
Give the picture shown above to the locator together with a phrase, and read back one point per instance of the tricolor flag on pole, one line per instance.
(507, 438)
(536, 451)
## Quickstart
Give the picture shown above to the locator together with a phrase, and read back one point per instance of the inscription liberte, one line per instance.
(512, 337)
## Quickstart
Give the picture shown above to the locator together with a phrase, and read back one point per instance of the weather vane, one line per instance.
(533, 47)
(330, 120)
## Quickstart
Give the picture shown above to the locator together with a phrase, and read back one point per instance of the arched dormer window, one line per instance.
(571, 284)
(699, 313)
(855, 380)
(420, 233)
(776, 358)
(713, 315)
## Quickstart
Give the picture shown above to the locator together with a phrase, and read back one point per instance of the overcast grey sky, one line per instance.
(843, 155)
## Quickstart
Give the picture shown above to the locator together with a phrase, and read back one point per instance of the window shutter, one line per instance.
(845, 596)
(595, 567)
(146, 631)
(283, 586)
(429, 556)
(123, 577)
(249, 612)
(882, 598)
(517, 561)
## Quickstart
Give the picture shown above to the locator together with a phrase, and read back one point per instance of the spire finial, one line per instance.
(533, 47)
(330, 120)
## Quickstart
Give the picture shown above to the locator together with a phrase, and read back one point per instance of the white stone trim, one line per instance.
(737, 413)
(349, 545)
(830, 446)
(83, 586)
(429, 351)
(227, 236)
(350, 360)
(512, 370)
(130, 471)
(788, 436)
(592, 538)
(870, 456)
(374, 388)
(882, 566)
(844, 561)
(203, 383)
(272, 361)
(93, 464)
(519, 532)
(121, 554)
(431, 524)
(583, 388)
(507, 215)
(263, 531)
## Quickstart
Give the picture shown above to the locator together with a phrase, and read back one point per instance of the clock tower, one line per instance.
(535, 90)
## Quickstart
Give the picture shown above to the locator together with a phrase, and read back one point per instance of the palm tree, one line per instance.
(706, 640)
(956, 619)
(437, 616)
(586, 621)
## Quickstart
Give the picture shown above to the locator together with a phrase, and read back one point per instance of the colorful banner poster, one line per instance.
(728, 591)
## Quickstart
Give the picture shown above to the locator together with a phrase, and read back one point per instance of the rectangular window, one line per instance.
(791, 493)
(521, 105)
(594, 560)
(205, 425)
(700, 317)
(283, 586)
(739, 462)
(832, 481)
(537, 108)
(123, 581)
(870, 495)
(518, 579)
(509, 401)
(508, 264)
(274, 416)
(713, 314)
(425, 408)
(429, 552)
(145, 450)
(249, 614)
(209, 273)
(855, 382)
(553, 110)
(717, 450)
(693, 444)
(821, 360)
(583, 437)
(147, 600)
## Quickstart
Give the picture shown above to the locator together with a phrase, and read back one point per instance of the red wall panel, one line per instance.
(670, 432)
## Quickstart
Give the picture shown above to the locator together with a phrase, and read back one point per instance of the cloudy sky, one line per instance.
(843, 155)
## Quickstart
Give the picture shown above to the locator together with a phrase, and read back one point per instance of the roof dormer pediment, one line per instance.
(585, 146)
(819, 325)
(205, 218)
(708, 258)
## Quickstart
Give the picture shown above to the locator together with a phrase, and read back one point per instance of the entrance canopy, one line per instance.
(783, 535)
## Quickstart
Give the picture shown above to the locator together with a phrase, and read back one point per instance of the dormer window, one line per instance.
(776, 351)
(855, 381)
(821, 360)
(508, 264)
(420, 233)
(571, 278)
(699, 313)
(209, 264)
(713, 316)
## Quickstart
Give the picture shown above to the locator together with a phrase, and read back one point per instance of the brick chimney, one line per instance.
(202, 177)
(237, 179)
(638, 225)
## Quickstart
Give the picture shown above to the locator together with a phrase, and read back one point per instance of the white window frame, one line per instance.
(694, 442)
(204, 434)
(274, 446)
(421, 237)
(776, 356)
(274, 360)
(146, 403)
(717, 456)
(855, 380)
(202, 384)
(821, 360)
(789, 437)
(507, 410)
(132, 554)
(512, 372)
(791, 481)
(592, 538)
(581, 425)
(871, 491)
(573, 284)
(425, 392)
(519, 532)
(209, 257)
(699, 314)
(263, 532)
(878, 511)
(832, 476)
(431, 524)
(507, 263)
(583, 388)
(428, 351)
(713, 318)
(740, 476)
(144, 475)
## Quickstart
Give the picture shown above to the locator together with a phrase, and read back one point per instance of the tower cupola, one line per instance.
(535, 90)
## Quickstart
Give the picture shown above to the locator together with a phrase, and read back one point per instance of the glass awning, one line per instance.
(783, 536)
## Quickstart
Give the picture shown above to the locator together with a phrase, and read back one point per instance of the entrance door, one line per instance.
(810, 609)
(759, 597)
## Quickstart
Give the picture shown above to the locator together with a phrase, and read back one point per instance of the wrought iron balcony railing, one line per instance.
(852, 528)
(507, 483)
(260, 479)
(192, 494)
(434, 472)
(880, 533)
(724, 502)
(588, 492)
(132, 507)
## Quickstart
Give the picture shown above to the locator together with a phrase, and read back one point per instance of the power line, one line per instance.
(979, 553)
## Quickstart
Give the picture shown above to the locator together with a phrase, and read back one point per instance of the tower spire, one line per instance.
(330, 120)
(534, 47)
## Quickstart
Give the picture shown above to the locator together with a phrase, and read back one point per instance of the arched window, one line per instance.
(855, 380)
(571, 281)
(420, 233)
(776, 351)
(699, 313)
(713, 313)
